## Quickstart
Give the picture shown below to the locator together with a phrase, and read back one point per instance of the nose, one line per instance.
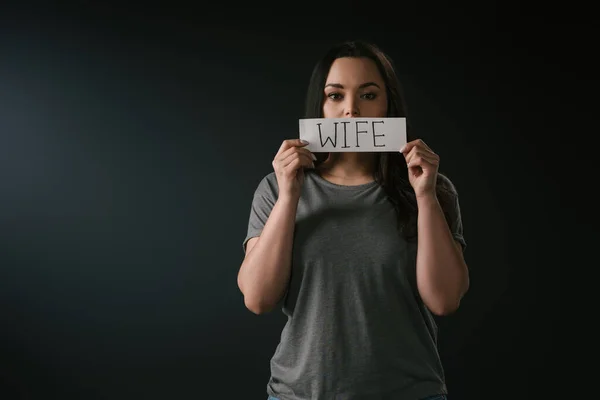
(351, 108)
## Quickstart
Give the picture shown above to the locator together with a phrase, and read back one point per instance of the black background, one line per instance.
(133, 137)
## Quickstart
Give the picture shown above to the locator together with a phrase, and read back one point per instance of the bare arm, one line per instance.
(442, 274)
(265, 271)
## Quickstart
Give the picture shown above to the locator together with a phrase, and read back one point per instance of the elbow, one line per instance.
(255, 303)
(449, 304)
(442, 306)
(446, 305)
(443, 309)
(446, 300)
(258, 307)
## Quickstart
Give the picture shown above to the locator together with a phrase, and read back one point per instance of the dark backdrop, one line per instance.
(132, 139)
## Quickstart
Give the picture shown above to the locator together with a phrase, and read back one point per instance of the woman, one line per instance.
(359, 249)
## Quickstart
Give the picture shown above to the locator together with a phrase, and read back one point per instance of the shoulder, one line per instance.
(268, 185)
(445, 185)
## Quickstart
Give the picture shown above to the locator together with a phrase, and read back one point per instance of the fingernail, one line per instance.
(303, 141)
(314, 157)
(402, 148)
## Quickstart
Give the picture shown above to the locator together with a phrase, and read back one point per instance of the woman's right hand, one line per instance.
(288, 164)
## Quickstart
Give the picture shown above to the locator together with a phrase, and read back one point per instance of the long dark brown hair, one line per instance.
(391, 171)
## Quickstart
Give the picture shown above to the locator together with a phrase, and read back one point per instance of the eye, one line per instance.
(334, 96)
(369, 96)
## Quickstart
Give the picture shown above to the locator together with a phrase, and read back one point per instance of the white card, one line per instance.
(353, 134)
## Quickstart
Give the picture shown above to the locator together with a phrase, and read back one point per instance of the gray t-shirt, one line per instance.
(356, 328)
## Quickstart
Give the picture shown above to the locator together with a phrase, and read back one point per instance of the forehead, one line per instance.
(354, 70)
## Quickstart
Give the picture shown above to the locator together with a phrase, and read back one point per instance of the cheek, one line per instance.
(379, 107)
(374, 110)
(329, 110)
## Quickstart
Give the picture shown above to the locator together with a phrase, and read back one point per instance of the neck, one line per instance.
(349, 167)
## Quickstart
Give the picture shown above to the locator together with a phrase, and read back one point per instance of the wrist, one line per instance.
(427, 200)
(288, 200)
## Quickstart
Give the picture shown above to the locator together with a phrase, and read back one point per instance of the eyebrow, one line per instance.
(364, 85)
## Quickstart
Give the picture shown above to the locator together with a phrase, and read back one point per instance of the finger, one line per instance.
(412, 144)
(422, 160)
(296, 150)
(304, 158)
(299, 150)
(293, 150)
(408, 147)
(421, 143)
(297, 163)
(418, 149)
(285, 158)
(309, 153)
(287, 144)
(417, 152)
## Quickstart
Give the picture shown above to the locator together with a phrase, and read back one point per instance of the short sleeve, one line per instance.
(263, 202)
(451, 207)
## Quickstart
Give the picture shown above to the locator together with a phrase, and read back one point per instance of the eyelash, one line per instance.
(373, 96)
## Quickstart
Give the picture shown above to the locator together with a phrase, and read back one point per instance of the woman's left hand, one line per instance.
(422, 165)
